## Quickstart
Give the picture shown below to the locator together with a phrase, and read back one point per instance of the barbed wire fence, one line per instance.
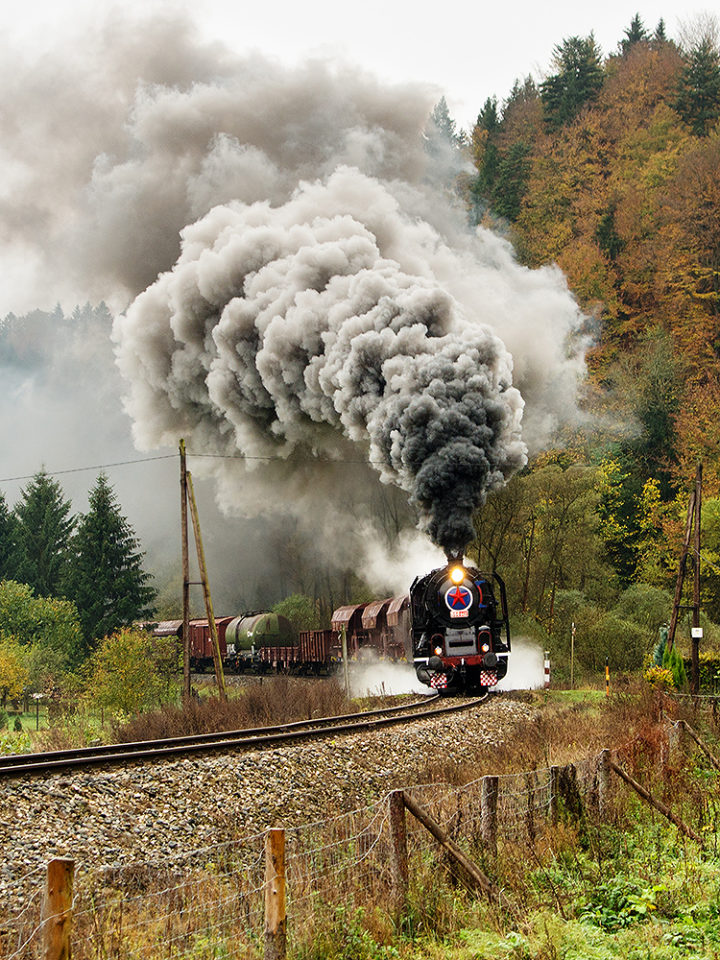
(214, 902)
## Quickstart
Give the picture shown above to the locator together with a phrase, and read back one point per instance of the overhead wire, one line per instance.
(172, 456)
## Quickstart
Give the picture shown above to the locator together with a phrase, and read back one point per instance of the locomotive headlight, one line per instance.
(485, 647)
(438, 651)
(457, 574)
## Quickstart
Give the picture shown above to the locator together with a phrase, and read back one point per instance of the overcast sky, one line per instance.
(468, 51)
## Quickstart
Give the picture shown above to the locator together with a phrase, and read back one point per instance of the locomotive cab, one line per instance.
(460, 628)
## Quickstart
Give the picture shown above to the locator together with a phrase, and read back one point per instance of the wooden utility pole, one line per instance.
(681, 572)
(696, 632)
(185, 572)
(217, 659)
(693, 518)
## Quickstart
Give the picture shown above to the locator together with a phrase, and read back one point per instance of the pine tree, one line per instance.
(8, 544)
(511, 181)
(660, 36)
(443, 123)
(43, 528)
(577, 81)
(698, 98)
(635, 33)
(106, 578)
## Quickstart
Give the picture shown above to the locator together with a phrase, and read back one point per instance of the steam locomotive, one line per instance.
(460, 629)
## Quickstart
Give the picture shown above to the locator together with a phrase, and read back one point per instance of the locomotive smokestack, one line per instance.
(453, 558)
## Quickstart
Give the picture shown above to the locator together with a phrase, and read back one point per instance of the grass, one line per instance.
(583, 695)
(276, 700)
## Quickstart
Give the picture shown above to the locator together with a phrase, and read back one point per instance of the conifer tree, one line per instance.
(660, 36)
(511, 181)
(43, 528)
(443, 123)
(106, 578)
(8, 544)
(634, 34)
(578, 78)
(698, 97)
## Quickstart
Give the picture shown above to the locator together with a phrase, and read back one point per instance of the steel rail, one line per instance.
(21, 764)
(215, 736)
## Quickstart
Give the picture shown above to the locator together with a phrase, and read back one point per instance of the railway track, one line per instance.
(18, 765)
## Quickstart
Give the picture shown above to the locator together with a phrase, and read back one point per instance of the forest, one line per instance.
(608, 167)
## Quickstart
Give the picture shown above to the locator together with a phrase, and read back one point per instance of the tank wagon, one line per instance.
(264, 642)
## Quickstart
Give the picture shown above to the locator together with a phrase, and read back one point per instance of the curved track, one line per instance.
(18, 765)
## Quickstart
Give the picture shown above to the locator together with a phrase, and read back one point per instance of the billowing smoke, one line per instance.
(277, 323)
(312, 297)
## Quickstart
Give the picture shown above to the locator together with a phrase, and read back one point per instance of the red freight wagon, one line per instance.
(201, 653)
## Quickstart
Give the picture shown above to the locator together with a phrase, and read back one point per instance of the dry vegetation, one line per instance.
(263, 703)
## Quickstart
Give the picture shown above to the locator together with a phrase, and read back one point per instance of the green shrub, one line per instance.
(623, 642)
(674, 663)
(644, 605)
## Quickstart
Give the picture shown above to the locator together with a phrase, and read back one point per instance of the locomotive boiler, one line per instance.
(459, 628)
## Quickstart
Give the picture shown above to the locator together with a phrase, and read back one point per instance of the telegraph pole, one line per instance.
(696, 632)
(185, 573)
(681, 572)
(693, 517)
(217, 658)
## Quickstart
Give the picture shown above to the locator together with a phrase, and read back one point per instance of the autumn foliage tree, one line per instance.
(131, 671)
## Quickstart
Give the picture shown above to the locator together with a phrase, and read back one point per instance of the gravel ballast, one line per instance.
(154, 810)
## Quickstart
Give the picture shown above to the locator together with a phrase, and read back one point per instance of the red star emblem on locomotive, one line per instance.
(458, 599)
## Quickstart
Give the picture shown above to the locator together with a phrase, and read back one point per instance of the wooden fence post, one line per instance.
(275, 922)
(554, 795)
(603, 784)
(530, 807)
(57, 909)
(398, 836)
(570, 793)
(488, 814)
(674, 743)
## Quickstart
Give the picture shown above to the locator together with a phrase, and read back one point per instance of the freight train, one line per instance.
(264, 642)
(453, 626)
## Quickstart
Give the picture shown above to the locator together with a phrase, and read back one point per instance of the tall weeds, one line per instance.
(272, 701)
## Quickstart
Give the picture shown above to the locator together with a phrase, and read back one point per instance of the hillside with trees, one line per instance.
(610, 168)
